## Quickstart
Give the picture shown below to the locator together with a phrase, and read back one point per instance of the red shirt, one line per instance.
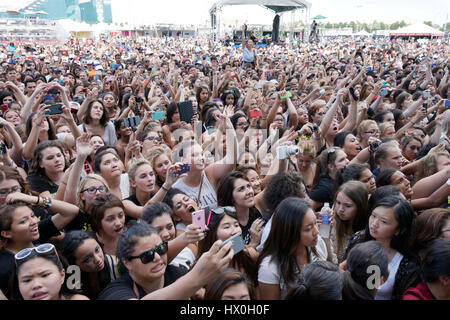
(419, 292)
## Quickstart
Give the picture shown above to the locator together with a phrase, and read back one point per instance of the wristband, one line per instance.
(166, 190)
(39, 199)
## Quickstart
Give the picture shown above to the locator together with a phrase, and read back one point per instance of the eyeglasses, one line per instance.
(156, 139)
(445, 230)
(6, 192)
(148, 256)
(43, 249)
(93, 190)
(373, 132)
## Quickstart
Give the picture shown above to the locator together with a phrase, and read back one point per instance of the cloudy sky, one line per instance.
(197, 11)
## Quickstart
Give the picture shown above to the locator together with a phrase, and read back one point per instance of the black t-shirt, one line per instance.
(246, 235)
(323, 190)
(82, 221)
(135, 200)
(46, 230)
(122, 288)
(41, 184)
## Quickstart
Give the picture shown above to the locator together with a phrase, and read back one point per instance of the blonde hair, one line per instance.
(429, 167)
(82, 183)
(307, 148)
(132, 171)
(364, 125)
(154, 152)
(384, 126)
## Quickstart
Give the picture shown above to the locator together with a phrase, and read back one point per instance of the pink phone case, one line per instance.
(198, 218)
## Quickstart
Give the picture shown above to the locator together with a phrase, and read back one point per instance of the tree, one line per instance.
(328, 25)
(428, 23)
(383, 26)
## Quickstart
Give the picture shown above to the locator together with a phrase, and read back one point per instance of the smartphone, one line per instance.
(198, 219)
(158, 115)
(447, 103)
(183, 169)
(383, 93)
(322, 91)
(132, 122)
(238, 243)
(54, 109)
(255, 113)
(369, 69)
(426, 94)
(352, 92)
(288, 95)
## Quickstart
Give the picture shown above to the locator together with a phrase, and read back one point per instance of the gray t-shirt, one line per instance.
(208, 196)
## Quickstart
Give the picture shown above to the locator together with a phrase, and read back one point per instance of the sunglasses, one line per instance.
(148, 256)
(43, 249)
(222, 210)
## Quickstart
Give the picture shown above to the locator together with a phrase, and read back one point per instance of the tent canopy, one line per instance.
(362, 33)
(275, 5)
(417, 30)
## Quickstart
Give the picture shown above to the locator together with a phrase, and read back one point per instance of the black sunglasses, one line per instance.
(148, 256)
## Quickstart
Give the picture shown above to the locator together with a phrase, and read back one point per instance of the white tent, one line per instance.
(417, 30)
(362, 33)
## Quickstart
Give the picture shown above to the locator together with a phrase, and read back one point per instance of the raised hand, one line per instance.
(84, 148)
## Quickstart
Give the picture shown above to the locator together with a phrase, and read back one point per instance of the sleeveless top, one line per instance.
(208, 196)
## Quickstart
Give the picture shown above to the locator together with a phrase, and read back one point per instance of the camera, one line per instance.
(138, 99)
(315, 128)
(284, 152)
(373, 146)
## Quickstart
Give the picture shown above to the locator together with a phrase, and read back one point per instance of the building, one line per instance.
(89, 11)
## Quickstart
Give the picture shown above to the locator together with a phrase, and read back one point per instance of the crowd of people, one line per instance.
(135, 160)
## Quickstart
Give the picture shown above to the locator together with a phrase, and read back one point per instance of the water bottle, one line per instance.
(325, 215)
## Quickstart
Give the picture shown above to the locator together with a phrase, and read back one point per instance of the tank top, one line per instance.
(208, 196)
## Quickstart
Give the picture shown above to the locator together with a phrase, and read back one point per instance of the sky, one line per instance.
(193, 11)
(197, 11)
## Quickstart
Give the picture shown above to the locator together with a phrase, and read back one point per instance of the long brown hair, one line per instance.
(357, 192)
(241, 260)
(215, 289)
(9, 173)
(427, 228)
(38, 156)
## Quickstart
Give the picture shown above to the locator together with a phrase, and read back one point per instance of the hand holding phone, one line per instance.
(198, 219)
(158, 115)
(426, 94)
(183, 169)
(255, 113)
(54, 109)
(287, 95)
(238, 243)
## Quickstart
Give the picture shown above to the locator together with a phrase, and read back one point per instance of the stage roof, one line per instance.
(276, 6)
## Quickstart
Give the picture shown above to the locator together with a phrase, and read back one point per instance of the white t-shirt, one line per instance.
(385, 290)
(269, 271)
(185, 258)
(265, 234)
(124, 185)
